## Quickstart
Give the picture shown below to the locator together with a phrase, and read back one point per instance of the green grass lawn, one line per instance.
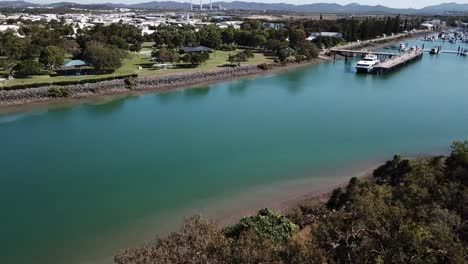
(131, 64)
(148, 45)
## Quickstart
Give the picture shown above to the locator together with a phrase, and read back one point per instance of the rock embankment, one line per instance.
(156, 83)
(179, 80)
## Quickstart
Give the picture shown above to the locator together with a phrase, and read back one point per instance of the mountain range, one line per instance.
(241, 5)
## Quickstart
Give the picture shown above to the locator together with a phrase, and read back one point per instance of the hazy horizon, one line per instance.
(388, 3)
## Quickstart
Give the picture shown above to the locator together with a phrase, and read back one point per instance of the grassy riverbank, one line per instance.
(406, 211)
(131, 64)
(218, 59)
(140, 63)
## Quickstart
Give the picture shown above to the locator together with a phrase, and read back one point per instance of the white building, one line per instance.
(315, 35)
(428, 26)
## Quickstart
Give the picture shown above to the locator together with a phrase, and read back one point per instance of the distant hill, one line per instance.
(447, 7)
(162, 5)
(16, 4)
(241, 5)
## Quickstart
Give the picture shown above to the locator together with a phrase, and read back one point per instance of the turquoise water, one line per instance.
(79, 182)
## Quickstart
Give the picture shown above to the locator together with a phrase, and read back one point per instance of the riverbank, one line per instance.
(366, 215)
(284, 197)
(313, 190)
(32, 98)
(143, 161)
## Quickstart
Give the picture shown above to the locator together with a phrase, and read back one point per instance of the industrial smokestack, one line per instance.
(191, 5)
(201, 5)
(211, 5)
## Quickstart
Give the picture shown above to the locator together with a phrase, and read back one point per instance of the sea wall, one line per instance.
(22, 96)
(177, 80)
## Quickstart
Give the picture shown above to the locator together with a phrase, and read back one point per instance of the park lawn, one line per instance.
(131, 64)
(147, 45)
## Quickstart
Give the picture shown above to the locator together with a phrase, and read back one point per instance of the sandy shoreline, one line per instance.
(287, 195)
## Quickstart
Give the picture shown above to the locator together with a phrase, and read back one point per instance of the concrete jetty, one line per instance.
(398, 61)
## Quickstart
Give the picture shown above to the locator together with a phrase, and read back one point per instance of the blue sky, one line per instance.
(390, 3)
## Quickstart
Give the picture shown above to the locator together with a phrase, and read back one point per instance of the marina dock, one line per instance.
(398, 61)
(389, 61)
(447, 52)
(350, 53)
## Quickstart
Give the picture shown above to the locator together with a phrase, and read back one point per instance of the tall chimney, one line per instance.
(191, 5)
(211, 5)
(201, 5)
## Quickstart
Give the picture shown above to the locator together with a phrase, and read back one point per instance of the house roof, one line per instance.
(196, 49)
(75, 63)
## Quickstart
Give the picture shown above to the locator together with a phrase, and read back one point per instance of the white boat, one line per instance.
(435, 50)
(367, 64)
(402, 47)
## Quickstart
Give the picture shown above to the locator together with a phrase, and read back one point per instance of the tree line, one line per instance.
(44, 47)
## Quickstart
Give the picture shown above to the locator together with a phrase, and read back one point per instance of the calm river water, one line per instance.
(77, 183)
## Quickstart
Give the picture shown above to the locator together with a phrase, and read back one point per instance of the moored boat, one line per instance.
(402, 47)
(434, 51)
(367, 64)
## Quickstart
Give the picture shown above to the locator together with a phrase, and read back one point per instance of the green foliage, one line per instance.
(130, 82)
(327, 42)
(171, 37)
(115, 34)
(28, 68)
(210, 36)
(52, 57)
(12, 48)
(296, 37)
(103, 58)
(308, 50)
(251, 38)
(392, 171)
(165, 55)
(55, 92)
(284, 53)
(266, 224)
(228, 35)
(196, 58)
(240, 57)
(118, 42)
(226, 47)
(135, 47)
(264, 66)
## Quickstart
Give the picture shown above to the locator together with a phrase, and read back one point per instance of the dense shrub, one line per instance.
(165, 55)
(103, 58)
(28, 68)
(264, 66)
(266, 224)
(226, 47)
(327, 42)
(196, 58)
(130, 82)
(199, 241)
